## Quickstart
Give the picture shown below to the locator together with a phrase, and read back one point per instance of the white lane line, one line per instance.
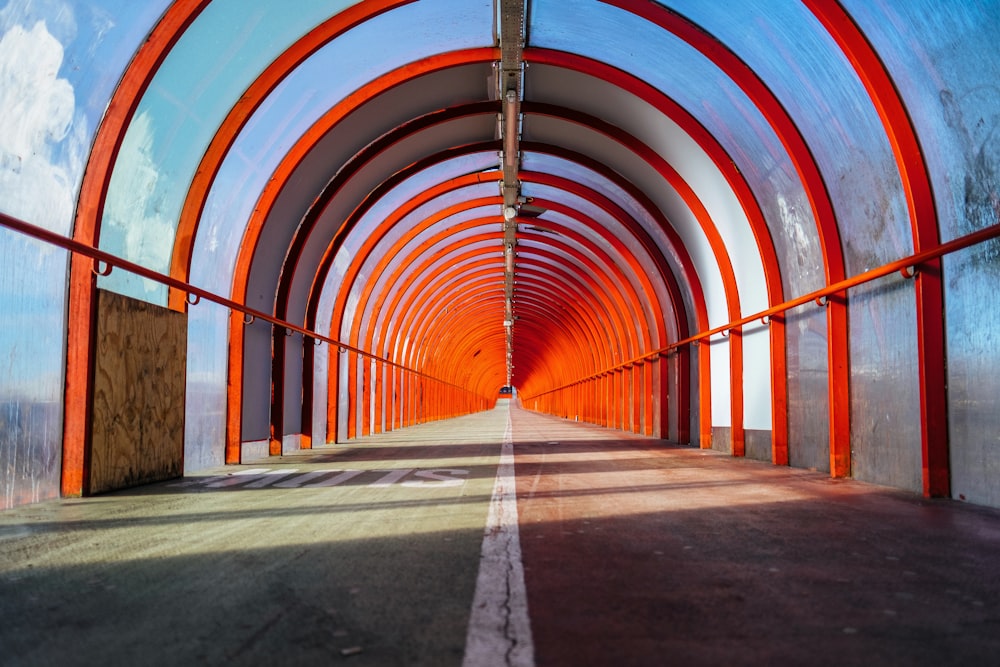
(499, 626)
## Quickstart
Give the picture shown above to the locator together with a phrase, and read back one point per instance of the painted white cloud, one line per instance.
(37, 114)
(101, 23)
(141, 233)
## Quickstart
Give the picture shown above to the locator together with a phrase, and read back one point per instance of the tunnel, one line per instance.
(237, 231)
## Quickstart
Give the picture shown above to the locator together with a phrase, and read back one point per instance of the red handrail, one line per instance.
(907, 266)
(110, 262)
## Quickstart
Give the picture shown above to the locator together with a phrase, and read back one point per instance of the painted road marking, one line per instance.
(436, 478)
(336, 479)
(291, 478)
(216, 478)
(269, 478)
(391, 478)
(241, 477)
(300, 480)
(499, 626)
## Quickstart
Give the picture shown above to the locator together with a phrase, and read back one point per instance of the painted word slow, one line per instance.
(293, 478)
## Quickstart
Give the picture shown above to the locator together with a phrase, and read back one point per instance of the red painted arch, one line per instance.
(929, 291)
(80, 316)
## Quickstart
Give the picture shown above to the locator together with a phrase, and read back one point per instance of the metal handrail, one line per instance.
(908, 267)
(194, 294)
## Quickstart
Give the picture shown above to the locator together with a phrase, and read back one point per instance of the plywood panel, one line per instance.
(139, 384)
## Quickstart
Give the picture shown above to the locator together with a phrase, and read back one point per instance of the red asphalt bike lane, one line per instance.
(638, 552)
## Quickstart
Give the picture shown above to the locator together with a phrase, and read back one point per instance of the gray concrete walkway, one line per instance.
(634, 553)
(366, 552)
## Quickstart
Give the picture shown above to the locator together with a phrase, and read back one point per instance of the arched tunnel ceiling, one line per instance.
(679, 165)
(768, 227)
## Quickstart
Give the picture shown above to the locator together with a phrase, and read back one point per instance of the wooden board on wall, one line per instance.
(139, 385)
